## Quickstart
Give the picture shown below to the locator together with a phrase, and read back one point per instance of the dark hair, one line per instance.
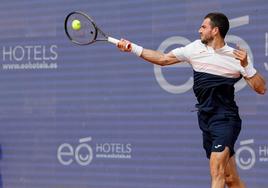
(219, 20)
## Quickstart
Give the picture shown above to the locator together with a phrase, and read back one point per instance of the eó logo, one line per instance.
(245, 155)
(82, 154)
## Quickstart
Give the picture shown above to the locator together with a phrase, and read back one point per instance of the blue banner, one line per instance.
(92, 116)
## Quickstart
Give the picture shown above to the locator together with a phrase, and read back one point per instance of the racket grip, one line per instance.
(116, 41)
(113, 40)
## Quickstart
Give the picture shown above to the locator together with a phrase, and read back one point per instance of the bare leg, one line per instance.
(232, 179)
(218, 163)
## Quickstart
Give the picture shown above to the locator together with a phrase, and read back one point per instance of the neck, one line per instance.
(216, 43)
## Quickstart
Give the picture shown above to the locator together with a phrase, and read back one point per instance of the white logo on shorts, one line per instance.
(218, 146)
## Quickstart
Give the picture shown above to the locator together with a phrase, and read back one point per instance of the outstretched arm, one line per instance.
(253, 78)
(152, 56)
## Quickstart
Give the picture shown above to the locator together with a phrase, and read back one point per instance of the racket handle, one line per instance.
(116, 41)
(113, 40)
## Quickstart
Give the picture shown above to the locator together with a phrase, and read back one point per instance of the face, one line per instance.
(206, 32)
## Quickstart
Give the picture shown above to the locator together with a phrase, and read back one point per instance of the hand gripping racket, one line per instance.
(87, 32)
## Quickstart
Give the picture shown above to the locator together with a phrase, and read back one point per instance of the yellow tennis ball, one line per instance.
(76, 24)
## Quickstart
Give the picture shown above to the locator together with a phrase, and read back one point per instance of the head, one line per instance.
(214, 25)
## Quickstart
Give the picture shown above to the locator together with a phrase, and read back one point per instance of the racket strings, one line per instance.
(86, 34)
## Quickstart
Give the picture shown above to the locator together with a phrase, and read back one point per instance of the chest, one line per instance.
(222, 64)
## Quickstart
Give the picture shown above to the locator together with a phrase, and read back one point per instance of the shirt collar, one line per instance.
(222, 49)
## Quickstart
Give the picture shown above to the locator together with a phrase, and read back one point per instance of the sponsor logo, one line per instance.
(29, 57)
(84, 153)
(218, 146)
(246, 157)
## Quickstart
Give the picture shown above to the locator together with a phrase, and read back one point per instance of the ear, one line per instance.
(215, 31)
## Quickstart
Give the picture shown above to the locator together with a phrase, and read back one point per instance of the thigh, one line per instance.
(219, 160)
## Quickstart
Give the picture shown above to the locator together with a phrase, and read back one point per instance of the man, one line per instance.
(217, 67)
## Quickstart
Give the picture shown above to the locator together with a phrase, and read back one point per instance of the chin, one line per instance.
(204, 41)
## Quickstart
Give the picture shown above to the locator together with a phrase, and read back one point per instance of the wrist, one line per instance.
(136, 49)
(244, 65)
(250, 71)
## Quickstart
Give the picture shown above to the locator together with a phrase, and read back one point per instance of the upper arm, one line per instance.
(179, 55)
(175, 56)
(170, 59)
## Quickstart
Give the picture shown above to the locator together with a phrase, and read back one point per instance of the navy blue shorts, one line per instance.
(219, 131)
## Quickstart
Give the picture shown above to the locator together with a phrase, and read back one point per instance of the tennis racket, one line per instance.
(88, 32)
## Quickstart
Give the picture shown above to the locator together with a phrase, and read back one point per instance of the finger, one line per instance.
(124, 45)
(240, 53)
(237, 55)
(128, 46)
(238, 58)
(120, 43)
(236, 52)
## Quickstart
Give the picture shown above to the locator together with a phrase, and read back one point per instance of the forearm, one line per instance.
(152, 56)
(257, 83)
(155, 57)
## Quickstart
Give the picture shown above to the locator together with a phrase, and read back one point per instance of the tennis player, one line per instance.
(216, 68)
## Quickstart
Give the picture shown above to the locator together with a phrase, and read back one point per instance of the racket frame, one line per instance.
(96, 33)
